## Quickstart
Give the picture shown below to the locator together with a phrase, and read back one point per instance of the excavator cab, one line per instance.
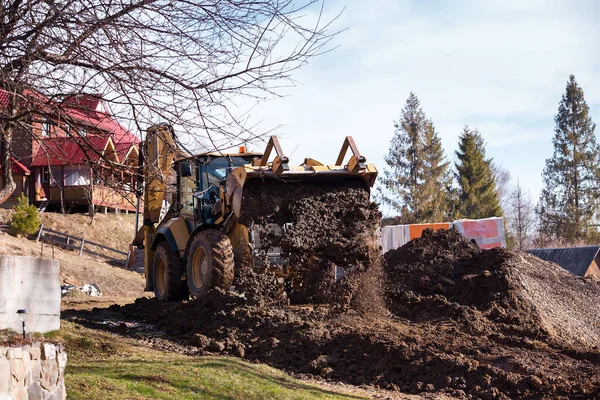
(204, 188)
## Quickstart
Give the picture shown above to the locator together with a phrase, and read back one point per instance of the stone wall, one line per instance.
(33, 372)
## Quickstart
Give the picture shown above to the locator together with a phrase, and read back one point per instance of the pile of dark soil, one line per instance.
(327, 225)
(462, 322)
(443, 276)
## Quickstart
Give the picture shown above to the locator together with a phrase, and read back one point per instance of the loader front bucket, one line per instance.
(312, 172)
(284, 209)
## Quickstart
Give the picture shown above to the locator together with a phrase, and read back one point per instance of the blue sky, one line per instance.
(499, 66)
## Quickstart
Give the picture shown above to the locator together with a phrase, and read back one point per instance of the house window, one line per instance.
(77, 175)
(45, 174)
(46, 128)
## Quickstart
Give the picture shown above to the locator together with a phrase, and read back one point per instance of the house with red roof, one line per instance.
(75, 155)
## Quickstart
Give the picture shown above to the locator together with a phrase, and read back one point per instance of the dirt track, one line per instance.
(459, 321)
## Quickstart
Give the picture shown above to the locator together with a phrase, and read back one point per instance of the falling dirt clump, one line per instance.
(465, 322)
(327, 225)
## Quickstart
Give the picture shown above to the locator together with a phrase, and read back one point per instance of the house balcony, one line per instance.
(99, 196)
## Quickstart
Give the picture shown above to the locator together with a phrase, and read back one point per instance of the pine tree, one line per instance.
(417, 172)
(477, 188)
(569, 200)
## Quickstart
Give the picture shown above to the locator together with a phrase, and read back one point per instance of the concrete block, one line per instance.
(48, 351)
(29, 283)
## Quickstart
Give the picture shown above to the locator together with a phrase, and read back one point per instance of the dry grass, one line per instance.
(114, 230)
(114, 281)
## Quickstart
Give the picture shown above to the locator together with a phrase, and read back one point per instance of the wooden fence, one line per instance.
(79, 244)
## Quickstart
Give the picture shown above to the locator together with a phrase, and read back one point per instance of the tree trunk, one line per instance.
(8, 183)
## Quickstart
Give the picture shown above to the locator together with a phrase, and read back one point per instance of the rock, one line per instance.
(238, 350)
(62, 359)
(35, 353)
(35, 391)
(199, 341)
(48, 351)
(18, 370)
(21, 394)
(5, 376)
(14, 353)
(319, 363)
(216, 347)
(50, 374)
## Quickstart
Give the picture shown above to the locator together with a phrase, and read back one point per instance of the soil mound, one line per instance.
(444, 276)
(491, 324)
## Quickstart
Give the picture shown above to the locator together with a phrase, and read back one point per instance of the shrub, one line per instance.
(25, 220)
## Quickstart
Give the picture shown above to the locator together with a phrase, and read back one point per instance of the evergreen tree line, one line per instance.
(421, 186)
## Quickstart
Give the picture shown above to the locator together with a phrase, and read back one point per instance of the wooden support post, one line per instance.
(81, 248)
(105, 210)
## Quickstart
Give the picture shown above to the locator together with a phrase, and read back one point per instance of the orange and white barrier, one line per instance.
(487, 233)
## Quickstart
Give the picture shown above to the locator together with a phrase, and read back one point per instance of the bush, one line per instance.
(25, 220)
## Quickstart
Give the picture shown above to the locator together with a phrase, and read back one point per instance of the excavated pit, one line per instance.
(468, 323)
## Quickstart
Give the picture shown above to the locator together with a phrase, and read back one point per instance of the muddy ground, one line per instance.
(443, 317)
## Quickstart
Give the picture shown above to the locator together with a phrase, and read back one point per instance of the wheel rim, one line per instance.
(199, 267)
(161, 278)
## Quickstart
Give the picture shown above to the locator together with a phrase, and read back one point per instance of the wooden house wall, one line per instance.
(593, 269)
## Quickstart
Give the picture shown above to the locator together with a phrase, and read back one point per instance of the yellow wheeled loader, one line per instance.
(193, 231)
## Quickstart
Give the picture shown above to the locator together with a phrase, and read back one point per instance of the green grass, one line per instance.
(105, 366)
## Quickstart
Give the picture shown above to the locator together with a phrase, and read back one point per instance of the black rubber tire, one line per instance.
(175, 289)
(219, 271)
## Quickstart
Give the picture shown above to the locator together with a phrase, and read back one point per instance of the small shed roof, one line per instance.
(576, 260)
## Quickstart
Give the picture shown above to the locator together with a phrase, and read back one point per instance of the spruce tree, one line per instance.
(569, 200)
(416, 173)
(437, 178)
(477, 188)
